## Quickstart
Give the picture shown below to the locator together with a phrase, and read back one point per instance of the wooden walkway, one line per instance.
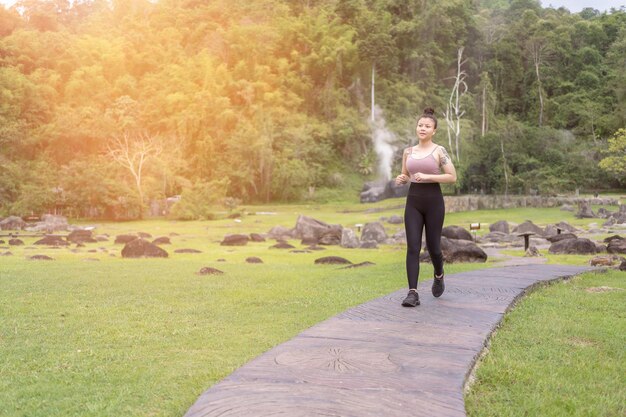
(381, 359)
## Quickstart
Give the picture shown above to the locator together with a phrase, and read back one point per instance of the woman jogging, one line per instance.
(422, 165)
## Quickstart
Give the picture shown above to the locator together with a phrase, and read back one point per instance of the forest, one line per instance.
(108, 107)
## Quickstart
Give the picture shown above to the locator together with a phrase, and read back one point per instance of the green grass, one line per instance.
(560, 352)
(146, 337)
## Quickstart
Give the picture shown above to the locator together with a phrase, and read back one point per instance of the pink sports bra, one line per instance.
(426, 165)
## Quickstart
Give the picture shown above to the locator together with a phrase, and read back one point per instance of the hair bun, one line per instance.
(429, 111)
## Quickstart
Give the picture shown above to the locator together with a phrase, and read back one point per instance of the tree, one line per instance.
(615, 163)
(454, 111)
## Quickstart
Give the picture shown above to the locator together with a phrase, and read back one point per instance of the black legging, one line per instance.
(424, 208)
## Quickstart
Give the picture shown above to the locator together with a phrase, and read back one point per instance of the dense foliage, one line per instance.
(108, 105)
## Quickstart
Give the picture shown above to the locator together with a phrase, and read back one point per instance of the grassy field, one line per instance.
(560, 352)
(92, 334)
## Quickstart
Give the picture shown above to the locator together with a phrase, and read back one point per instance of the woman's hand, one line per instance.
(419, 177)
(402, 179)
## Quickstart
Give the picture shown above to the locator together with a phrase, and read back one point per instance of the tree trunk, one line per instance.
(373, 77)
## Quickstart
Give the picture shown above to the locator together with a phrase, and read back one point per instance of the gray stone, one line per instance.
(456, 232)
(333, 260)
(580, 246)
(254, 260)
(282, 245)
(15, 242)
(500, 226)
(584, 211)
(163, 240)
(235, 240)
(12, 223)
(310, 228)
(255, 237)
(368, 244)
(395, 219)
(52, 241)
(140, 248)
(331, 237)
(567, 207)
(562, 236)
(280, 232)
(124, 239)
(532, 252)
(616, 246)
(374, 231)
(528, 227)
(187, 251)
(457, 250)
(349, 238)
(207, 270)
(81, 236)
(41, 258)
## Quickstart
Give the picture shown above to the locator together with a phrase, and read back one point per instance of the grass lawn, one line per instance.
(559, 352)
(92, 334)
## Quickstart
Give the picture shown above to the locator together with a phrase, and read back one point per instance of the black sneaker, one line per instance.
(411, 300)
(438, 286)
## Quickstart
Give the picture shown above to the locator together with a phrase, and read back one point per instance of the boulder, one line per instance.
(528, 227)
(368, 244)
(315, 247)
(532, 252)
(584, 210)
(331, 237)
(144, 235)
(41, 258)
(395, 219)
(333, 260)
(124, 239)
(616, 246)
(349, 238)
(622, 266)
(359, 265)
(81, 236)
(235, 240)
(500, 226)
(50, 223)
(456, 232)
(567, 207)
(163, 240)
(604, 260)
(280, 232)
(254, 260)
(52, 241)
(187, 251)
(255, 237)
(15, 242)
(458, 250)
(562, 236)
(7, 253)
(610, 238)
(374, 231)
(140, 248)
(580, 246)
(309, 241)
(310, 228)
(565, 226)
(12, 223)
(380, 190)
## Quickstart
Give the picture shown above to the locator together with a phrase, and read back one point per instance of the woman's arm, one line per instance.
(403, 178)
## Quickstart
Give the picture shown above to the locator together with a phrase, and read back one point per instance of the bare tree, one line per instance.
(536, 47)
(453, 112)
(132, 152)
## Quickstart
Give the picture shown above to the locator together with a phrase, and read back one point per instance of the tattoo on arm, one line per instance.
(444, 158)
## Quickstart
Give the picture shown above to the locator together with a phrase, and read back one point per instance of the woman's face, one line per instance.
(425, 128)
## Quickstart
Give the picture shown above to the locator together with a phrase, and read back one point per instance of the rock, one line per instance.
(349, 239)
(299, 251)
(15, 242)
(368, 244)
(622, 266)
(498, 237)
(50, 223)
(254, 260)
(81, 236)
(280, 232)
(605, 260)
(616, 246)
(532, 252)
(457, 250)
(309, 241)
(221, 260)
(7, 253)
(565, 226)
(124, 239)
(282, 245)
(610, 222)
(567, 207)
(376, 191)
(144, 235)
(163, 240)
(140, 248)
(610, 238)
(207, 270)
(187, 251)
(584, 210)
(334, 260)
(604, 213)
(528, 227)
(310, 228)
(374, 231)
(255, 237)
(562, 236)
(600, 248)
(331, 237)
(41, 258)
(456, 232)
(102, 238)
(12, 223)
(395, 219)
(501, 226)
(52, 241)
(315, 247)
(91, 260)
(359, 265)
(2, 242)
(580, 246)
(235, 240)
